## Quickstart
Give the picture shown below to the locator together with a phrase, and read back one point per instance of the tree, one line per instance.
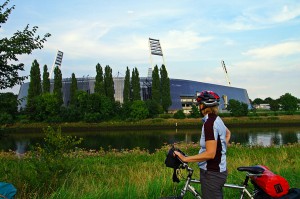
(274, 105)
(35, 88)
(22, 42)
(166, 100)
(135, 84)
(268, 100)
(109, 83)
(73, 90)
(99, 82)
(155, 85)
(237, 108)
(139, 110)
(289, 103)
(258, 101)
(46, 80)
(195, 113)
(47, 108)
(8, 104)
(126, 91)
(57, 90)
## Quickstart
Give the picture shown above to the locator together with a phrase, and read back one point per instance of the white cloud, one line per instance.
(287, 13)
(277, 50)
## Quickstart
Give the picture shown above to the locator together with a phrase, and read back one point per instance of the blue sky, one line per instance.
(258, 40)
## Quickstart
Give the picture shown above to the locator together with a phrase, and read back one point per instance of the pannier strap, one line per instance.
(252, 169)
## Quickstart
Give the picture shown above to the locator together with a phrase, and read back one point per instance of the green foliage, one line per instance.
(156, 86)
(109, 83)
(126, 91)
(154, 108)
(73, 90)
(71, 114)
(166, 100)
(179, 115)
(274, 105)
(22, 42)
(56, 145)
(34, 89)
(135, 84)
(57, 90)
(46, 80)
(99, 81)
(92, 117)
(8, 103)
(139, 110)
(50, 160)
(237, 108)
(195, 113)
(47, 108)
(6, 118)
(134, 173)
(258, 101)
(289, 103)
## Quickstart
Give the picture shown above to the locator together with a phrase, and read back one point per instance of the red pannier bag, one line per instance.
(272, 184)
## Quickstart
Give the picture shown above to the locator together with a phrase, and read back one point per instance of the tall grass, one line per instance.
(133, 173)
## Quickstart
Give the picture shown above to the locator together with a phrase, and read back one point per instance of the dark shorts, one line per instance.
(212, 183)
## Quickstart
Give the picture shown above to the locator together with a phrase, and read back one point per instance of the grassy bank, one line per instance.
(131, 174)
(160, 123)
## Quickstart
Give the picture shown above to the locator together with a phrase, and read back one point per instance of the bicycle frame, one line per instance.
(188, 187)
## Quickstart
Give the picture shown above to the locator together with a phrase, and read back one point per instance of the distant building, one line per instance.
(182, 91)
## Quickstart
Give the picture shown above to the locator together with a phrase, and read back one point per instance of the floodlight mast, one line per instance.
(57, 62)
(225, 71)
(155, 49)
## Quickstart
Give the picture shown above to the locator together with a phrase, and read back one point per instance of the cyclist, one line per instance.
(213, 145)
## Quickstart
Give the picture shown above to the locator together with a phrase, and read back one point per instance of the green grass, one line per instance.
(132, 174)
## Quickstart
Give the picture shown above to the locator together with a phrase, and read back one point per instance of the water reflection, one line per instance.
(151, 140)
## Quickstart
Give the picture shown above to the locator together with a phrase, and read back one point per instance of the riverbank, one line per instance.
(160, 123)
(131, 173)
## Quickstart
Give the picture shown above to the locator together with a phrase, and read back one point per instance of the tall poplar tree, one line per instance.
(35, 88)
(156, 86)
(73, 90)
(99, 82)
(46, 80)
(126, 91)
(166, 100)
(57, 90)
(109, 83)
(135, 82)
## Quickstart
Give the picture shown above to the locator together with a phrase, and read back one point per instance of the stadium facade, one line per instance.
(182, 91)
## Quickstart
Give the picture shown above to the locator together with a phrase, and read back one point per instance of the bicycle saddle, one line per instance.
(252, 169)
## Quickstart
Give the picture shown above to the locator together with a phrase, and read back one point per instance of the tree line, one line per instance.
(44, 105)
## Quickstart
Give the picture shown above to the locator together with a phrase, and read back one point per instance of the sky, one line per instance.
(259, 41)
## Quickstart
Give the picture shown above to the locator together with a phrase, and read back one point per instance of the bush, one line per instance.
(6, 118)
(165, 116)
(179, 115)
(92, 117)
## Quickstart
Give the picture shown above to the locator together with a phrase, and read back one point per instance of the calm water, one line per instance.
(151, 139)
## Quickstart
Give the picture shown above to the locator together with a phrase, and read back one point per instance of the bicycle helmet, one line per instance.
(208, 98)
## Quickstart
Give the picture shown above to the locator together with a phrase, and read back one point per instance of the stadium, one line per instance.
(182, 91)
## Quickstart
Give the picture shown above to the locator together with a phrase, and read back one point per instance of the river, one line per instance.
(151, 139)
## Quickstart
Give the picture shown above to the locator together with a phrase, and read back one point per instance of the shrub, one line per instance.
(179, 115)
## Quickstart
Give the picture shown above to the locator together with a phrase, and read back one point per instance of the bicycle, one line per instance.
(250, 171)
(245, 192)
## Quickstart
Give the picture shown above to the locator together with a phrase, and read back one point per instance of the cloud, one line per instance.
(274, 51)
(287, 13)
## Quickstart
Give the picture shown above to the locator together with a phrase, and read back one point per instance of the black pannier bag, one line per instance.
(173, 162)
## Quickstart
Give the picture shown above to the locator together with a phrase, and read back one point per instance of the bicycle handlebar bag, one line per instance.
(272, 184)
(173, 162)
